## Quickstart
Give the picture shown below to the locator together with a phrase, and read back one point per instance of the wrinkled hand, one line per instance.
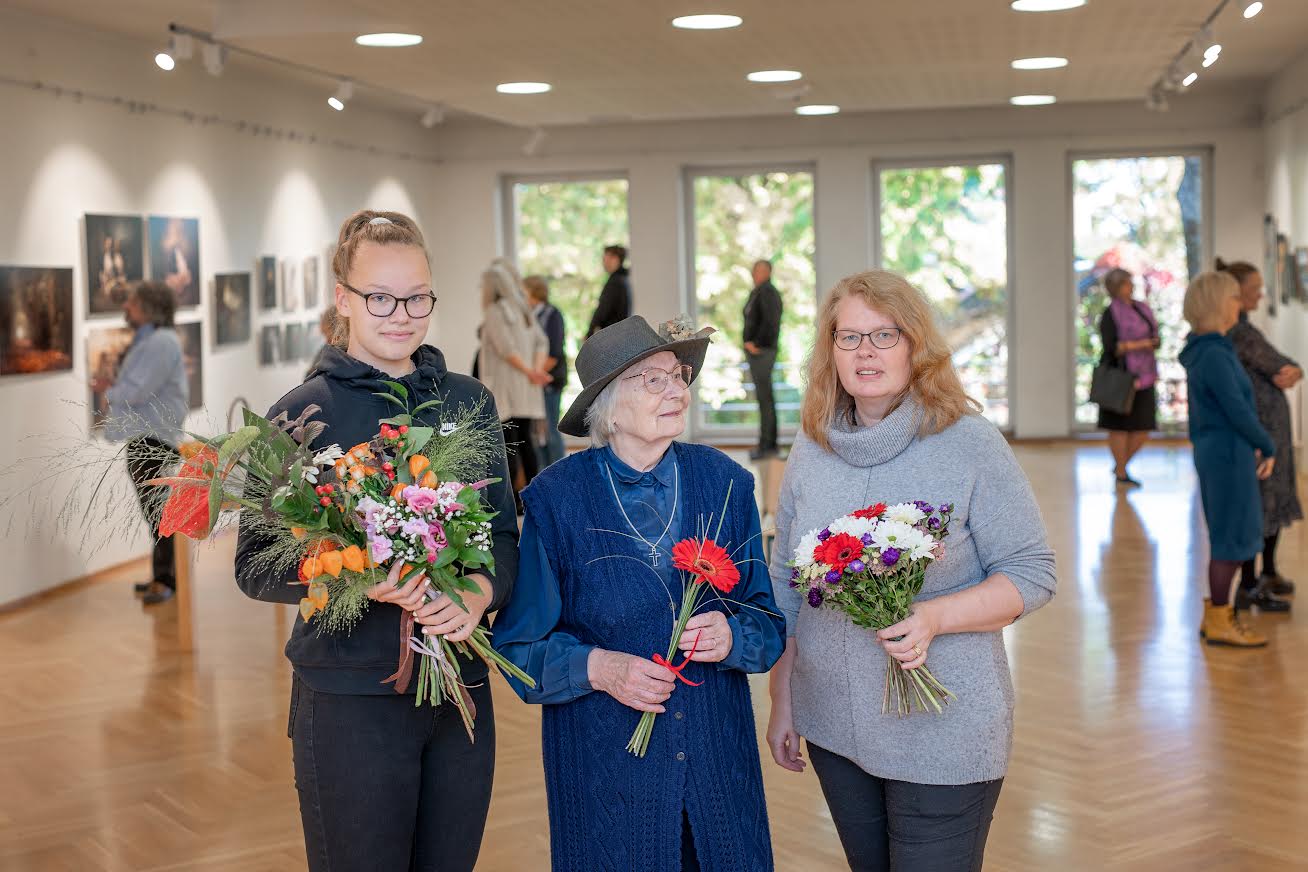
(442, 616)
(918, 629)
(633, 681)
(1287, 377)
(1265, 467)
(714, 638)
(782, 738)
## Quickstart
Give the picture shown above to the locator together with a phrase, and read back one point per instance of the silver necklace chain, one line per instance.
(672, 513)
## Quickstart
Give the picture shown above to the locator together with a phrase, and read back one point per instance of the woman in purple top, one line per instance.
(1129, 334)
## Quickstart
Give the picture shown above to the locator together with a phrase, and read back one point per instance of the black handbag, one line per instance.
(1113, 388)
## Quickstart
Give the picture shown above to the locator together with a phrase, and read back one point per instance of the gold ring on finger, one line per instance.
(917, 650)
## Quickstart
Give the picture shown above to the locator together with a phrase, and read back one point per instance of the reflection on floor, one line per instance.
(1136, 748)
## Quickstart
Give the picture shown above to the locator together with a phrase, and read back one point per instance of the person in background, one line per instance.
(1232, 450)
(334, 332)
(550, 320)
(148, 400)
(762, 331)
(615, 299)
(1272, 374)
(1128, 332)
(512, 360)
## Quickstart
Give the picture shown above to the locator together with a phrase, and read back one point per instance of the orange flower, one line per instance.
(315, 602)
(331, 563)
(352, 558)
(418, 465)
(187, 509)
(707, 561)
(428, 479)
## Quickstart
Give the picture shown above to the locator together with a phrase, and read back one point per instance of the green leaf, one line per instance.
(418, 438)
(398, 388)
(215, 501)
(236, 444)
(427, 405)
(446, 557)
(281, 496)
(391, 397)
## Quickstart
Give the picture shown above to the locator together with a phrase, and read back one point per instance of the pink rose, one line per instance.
(419, 499)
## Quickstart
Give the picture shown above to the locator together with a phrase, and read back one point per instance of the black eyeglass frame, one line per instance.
(395, 302)
(898, 331)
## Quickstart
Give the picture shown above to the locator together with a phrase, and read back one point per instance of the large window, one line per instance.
(1145, 214)
(740, 218)
(946, 229)
(560, 228)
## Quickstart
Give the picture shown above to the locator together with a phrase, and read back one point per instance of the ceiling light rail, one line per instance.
(1201, 51)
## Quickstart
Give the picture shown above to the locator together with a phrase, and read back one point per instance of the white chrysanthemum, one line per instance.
(855, 527)
(906, 512)
(328, 455)
(804, 550)
(904, 538)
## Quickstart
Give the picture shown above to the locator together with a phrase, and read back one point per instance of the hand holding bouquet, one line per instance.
(871, 565)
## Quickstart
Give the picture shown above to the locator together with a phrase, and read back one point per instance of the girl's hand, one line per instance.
(442, 616)
(714, 637)
(410, 597)
(917, 631)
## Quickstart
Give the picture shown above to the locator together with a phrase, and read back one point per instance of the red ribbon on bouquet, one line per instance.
(676, 670)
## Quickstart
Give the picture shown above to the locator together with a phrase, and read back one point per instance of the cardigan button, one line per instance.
(681, 755)
(679, 715)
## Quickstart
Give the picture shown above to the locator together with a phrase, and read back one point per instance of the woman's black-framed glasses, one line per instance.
(882, 337)
(657, 380)
(382, 305)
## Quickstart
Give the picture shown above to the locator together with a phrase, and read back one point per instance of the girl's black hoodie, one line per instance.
(358, 662)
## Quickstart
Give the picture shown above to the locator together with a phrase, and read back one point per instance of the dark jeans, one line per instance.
(552, 450)
(149, 458)
(760, 370)
(520, 445)
(387, 785)
(889, 825)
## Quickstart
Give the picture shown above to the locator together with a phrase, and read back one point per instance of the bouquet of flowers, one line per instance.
(342, 519)
(871, 565)
(703, 563)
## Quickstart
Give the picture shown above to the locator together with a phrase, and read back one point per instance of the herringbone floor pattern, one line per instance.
(1136, 748)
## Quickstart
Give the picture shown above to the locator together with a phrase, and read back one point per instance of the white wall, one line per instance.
(252, 196)
(1039, 142)
(1287, 190)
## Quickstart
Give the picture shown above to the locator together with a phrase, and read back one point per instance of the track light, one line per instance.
(1189, 80)
(1253, 9)
(532, 146)
(1205, 42)
(1157, 100)
(164, 61)
(180, 48)
(214, 57)
(342, 96)
(433, 116)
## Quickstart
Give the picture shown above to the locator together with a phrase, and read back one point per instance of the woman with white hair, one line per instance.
(597, 591)
(513, 354)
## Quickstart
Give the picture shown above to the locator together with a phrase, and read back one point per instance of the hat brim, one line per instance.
(691, 351)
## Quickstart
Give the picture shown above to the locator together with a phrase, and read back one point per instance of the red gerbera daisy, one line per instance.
(838, 551)
(707, 561)
(871, 512)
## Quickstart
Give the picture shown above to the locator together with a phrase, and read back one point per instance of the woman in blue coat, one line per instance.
(597, 595)
(1232, 451)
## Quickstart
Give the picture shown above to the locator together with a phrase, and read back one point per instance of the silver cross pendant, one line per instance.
(654, 556)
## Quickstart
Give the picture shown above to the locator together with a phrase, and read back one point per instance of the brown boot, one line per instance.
(1222, 627)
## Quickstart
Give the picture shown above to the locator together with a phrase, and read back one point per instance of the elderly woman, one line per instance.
(1128, 333)
(1272, 374)
(1232, 450)
(597, 592)
(885, 419)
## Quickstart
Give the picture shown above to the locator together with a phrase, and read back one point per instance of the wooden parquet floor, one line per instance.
(1136, 747)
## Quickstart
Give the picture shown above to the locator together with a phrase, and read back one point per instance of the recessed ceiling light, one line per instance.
(1045, 5)
(388, 40)
(817, 109)
(1190, 79)
(1039, 63)
(775, 76)
(523, 87)
(706, 22)
(1033, 100)
(1253, 9)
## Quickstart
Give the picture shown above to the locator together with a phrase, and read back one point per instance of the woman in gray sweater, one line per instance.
(885, 419)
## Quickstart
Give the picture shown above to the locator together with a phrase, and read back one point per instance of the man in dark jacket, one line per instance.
(762, 330)
(615, 300)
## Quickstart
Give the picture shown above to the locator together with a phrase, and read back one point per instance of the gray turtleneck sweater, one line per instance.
(839, 673)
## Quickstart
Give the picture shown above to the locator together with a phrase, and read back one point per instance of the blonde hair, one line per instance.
(1204, 297)
(363, 226)
(932, 381)
(537, 288)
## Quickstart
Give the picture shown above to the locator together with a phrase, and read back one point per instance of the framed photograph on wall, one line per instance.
(291, 290)
(1301, 269)
(115, 257)
(36, 319)
(175, 256)
(231, 308)
(270, 340)
(1282, 252)
(105, 347)
(309, 273)
(1270, 271)
(193, 359)
(267, 283)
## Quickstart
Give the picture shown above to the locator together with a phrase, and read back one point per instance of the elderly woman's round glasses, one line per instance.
(383, 305)
(656, 380)
(882, 337)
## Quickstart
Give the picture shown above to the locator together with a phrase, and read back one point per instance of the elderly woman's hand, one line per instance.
(914, 634)
(714, 634)
(633, 681)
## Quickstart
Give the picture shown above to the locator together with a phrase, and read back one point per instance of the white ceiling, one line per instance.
(612, 60)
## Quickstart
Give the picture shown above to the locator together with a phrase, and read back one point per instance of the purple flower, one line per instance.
(794, 583)
(832, 577)
(924, 508)
(414, 527)
(824, 535)
(856, 565)
(934, 523)
(947, 508)
(867, 540)
(794, 574)
(381, 548)
(890, 556)
(815, 597)
(420, 499)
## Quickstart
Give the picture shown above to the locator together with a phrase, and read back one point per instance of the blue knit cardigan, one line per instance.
(609, 810)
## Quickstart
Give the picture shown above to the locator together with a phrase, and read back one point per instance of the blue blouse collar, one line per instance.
(663, 472)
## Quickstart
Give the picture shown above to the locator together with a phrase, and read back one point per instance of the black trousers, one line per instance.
(523, 456)
(760, 370)
(149, 458)
(387, 785)
(899, 826)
